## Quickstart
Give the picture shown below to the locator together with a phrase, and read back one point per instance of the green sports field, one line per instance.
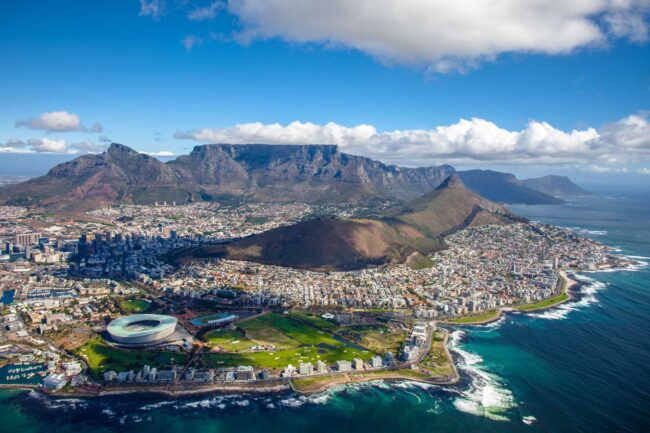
(135, 305)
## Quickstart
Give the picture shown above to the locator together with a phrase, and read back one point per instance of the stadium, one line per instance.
(142, 329)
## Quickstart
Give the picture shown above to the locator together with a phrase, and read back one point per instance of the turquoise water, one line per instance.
(582, 367)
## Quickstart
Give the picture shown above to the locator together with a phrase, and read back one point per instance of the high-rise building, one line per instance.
(305, 369)
(23, 239)
(343, 366)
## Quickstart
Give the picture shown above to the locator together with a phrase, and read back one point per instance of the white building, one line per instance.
(305, 369)
(342, 366)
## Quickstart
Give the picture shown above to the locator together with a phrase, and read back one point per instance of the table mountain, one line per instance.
(256, 172)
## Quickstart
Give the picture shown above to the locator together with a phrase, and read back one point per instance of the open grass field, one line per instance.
(230, 340)
(545, 303)
(314, 319)
(437, 361)
(294, 342)
(135, 306)
(380, 339)
(479, 318)
(101, 357)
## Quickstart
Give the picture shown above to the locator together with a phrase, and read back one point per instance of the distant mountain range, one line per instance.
(404, 234)
(254, 172)
(505, 188)
(555, 185)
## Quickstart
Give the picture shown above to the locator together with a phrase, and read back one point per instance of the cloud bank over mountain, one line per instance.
(466, 141)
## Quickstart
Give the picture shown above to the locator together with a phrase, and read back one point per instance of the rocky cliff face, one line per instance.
(257, 172)
(555, 185)
(504, 188)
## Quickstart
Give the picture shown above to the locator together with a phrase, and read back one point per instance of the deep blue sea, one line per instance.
(582, 367)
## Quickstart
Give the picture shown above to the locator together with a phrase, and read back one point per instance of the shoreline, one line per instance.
(568, 284)
(329, 382)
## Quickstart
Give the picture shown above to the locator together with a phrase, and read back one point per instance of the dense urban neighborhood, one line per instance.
(217, 323)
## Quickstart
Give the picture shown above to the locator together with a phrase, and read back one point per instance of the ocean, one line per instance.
(581, 367)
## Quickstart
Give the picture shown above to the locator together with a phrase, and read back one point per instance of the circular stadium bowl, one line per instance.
(141, 329)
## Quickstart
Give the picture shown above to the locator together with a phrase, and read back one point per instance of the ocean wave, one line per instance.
(486, 396)
(584, 231)
(158, 405)
(588, 290)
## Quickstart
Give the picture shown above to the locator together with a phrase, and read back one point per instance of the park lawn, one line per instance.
(380, 339)
(135, 305)
(314, 319)
(286, 332)
(101, 357)
(544, 303)
(281, 358)
(230, 340)
(437, 360)
(294, 341)
(479, 318)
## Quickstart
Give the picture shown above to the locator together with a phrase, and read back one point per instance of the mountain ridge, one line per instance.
(316, 174)
(327, 244)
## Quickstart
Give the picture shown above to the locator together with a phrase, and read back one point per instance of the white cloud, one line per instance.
(191, 41)
(48, 145)
(643, 170)
(444, 35)
(56, 121)
(38, 145)
(464, 142)
(159, 153)
(152, 8)
(606, 169)
(205, 13)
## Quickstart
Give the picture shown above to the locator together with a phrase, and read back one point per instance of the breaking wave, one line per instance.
(486, 395)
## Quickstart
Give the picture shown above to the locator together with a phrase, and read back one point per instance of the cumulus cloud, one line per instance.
(444, 35)
(205, 13)
(37, 145)
(58, 121)
(464, 142)
(160, 153)
(55, 121)
(152, 8)
(49, 145)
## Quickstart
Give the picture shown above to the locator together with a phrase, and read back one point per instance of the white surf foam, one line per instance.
(588, 292)
(486, 395)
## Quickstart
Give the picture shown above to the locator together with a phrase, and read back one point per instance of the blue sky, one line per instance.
(133, 71)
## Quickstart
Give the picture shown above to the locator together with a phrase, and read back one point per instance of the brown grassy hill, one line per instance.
(326, 245)
(404, 235)
(450, 207)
